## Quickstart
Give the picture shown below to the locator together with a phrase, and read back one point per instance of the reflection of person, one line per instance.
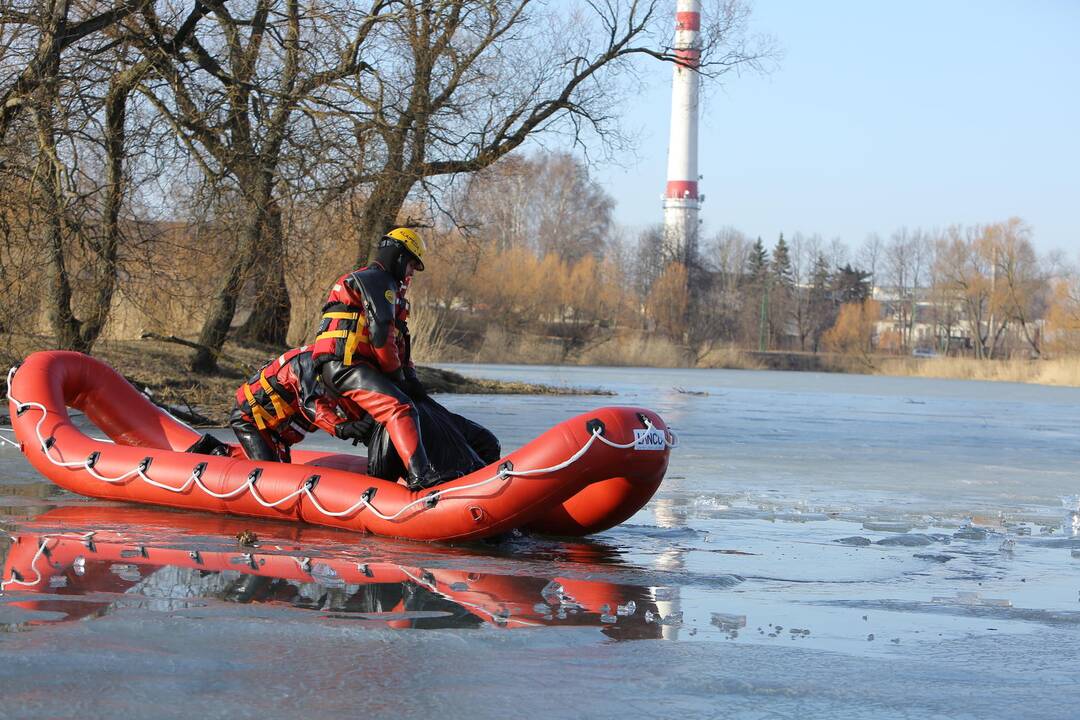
(285, 400)
(363, 348)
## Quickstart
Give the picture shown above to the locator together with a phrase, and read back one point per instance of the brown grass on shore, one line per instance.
(1056, 371)
(161, 368)
(634, 350)
(730, 358)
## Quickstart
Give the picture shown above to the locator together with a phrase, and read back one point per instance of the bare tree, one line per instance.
(462, 83)
(1017, 268)
(56, 29)
(76, 169)
(965, 266)
(804, 253)
(232, 91)
(906, 257)
(545, 202)
(870, 254)
(717, 316)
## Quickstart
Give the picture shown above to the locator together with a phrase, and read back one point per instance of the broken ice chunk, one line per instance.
(725, 621)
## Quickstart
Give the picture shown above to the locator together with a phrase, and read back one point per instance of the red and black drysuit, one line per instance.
(285, 400)
(363, 351)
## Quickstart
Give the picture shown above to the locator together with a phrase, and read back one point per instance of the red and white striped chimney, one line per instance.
(681, 199)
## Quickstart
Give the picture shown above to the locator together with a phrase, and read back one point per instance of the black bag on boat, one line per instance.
(453, 443)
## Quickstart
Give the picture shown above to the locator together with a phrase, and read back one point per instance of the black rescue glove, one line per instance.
(359, 431)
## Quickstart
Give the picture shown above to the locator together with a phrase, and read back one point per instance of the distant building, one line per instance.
(921, 319)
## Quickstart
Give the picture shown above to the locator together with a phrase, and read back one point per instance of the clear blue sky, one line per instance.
(883, 114)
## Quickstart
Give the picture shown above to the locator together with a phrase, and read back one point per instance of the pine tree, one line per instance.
(781, 293)
(758, 263)
(756, 294)
(781, 264)
(820, 309)
(851, 285)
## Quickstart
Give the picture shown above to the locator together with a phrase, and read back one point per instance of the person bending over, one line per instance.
(284, 401)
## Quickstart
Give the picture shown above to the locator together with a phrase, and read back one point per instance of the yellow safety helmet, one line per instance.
(412, 242)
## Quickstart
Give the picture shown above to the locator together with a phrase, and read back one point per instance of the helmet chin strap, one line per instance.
(393, 260)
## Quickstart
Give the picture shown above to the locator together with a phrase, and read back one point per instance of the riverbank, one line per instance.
(635, 349)
(1063, 372)
(160, 369)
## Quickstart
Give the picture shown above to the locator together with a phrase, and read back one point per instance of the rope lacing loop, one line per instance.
(43, 549)
(307, 488)
(497, 619)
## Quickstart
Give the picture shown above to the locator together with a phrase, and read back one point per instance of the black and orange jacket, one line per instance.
(364, 319)
(287, 391)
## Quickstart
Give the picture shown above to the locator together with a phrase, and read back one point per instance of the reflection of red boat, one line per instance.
(582, 476)
(82, 573)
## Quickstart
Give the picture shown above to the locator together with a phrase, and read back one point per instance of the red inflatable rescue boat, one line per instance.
(582, 476)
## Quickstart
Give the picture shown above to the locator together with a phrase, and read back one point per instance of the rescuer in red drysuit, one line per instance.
(363, 348)
(286, 400)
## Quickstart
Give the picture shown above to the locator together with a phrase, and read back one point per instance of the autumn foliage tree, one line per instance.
(1063, 315)
(993, 272)
(853, 332)
(666, 303)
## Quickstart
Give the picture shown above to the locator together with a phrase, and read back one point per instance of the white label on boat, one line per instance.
(650, 439)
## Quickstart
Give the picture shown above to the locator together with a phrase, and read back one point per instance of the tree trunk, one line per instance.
(64, 325)
(380, 213)
(222, 308)
(268, 323)
(107, 248)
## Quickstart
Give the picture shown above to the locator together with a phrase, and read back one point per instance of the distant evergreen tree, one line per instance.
(851, 285)
(820, 307)
(781, 293)
(755, 287)
(758, 263)
(781, 264)
(819, 276)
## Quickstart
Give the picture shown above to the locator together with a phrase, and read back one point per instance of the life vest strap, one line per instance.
(353, 336)
(261, 415)
(280, 408)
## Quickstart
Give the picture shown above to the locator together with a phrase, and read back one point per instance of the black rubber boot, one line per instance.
(424, 476)
(209, 445)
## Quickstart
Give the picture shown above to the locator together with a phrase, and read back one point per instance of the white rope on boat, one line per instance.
(497, 619)
(195, 479)
(42, 549)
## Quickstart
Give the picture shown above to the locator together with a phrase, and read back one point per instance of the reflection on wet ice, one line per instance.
(150, 560)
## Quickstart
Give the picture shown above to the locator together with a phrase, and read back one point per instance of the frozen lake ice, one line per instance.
(849, 546)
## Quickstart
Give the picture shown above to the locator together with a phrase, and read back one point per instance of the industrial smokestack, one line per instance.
(681, 199)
